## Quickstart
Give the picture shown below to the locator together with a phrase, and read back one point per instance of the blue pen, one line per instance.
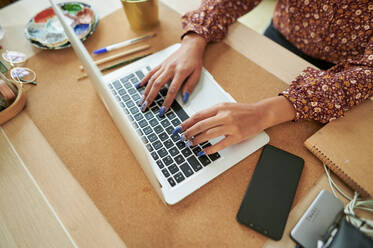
(124, 43)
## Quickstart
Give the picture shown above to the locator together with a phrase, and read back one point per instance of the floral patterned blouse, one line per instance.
(338, 31)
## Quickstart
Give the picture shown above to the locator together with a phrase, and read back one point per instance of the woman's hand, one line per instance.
(184, 65)
(236, 121)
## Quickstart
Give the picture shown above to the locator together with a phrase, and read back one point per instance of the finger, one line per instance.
(224, 143)
(209, 134)
(204, 114)
(202, 126)
(190, 84)
(149, 86)
(156, 87)
(175, 85)
(147, 77)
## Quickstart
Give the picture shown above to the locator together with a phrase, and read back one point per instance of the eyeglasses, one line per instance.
(21, 75)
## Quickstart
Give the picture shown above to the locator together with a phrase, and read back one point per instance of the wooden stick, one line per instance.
(124, 62)
(122, 54)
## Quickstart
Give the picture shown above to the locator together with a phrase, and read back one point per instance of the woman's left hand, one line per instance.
(236, 121)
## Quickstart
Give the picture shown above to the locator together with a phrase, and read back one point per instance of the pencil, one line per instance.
(124, 62)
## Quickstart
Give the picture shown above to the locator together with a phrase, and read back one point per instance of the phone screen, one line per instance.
(269, 196)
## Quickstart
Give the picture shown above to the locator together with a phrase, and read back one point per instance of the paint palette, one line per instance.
(45, 31)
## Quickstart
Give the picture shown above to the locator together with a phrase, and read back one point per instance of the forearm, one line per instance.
(275, 110)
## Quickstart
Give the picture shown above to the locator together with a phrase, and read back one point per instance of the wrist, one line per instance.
(194, 40)
(275, 110)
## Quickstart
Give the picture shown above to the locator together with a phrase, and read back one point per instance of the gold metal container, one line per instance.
(141, 14)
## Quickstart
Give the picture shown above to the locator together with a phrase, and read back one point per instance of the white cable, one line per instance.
(354, 203)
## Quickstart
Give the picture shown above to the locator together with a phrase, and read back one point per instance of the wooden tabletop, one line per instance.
(35, 180)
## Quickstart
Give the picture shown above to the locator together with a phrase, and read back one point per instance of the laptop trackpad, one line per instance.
(206, 94)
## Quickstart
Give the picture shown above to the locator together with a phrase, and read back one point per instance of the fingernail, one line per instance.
(177, 130)
(201, 153)
(161, 111)
(182, 138)
(138, 85)
(141, 100)
(185, 97)
(143, 106)
(188, 143)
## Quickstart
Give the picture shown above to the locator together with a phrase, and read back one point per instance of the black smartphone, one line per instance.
(269, 196)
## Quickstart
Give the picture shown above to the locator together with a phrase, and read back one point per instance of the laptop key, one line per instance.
(138, 116)
(196, 150)
(140, 75)
(152, 137)
(167, 160)
(165, 123)
(122, 105)
(186, 169)
(139, 132)
(134, 110)
(204, 160)
(132, 91)
(170, 115)
(136, 97)
(160, 164)
(179, 177)
(144, 139)
(148, 115)
(169, 130)
(173, 151)
(150, 148)
(180, 145)
(153, 122)
(175, 137)
(126, 78)
(154, 155)
(143, 123)
(186, 152)
(158, 129)
(175, 122)
(157, 145)
(165, 172)
(173, 169)
(171, 181)
(158, 97)
(126, 97)
(118, 98)
(179, 159)
(117, 84)
(110, 86)
(214, 156)
(122, 92)
(179, 111)
(168, 143)
(130, 104)
(163, 136)
(134, 80)
(196, 165)
(127, 85)
(147, 130)
(162, 152)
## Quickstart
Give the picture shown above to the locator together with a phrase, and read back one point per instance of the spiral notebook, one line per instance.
(346, 147)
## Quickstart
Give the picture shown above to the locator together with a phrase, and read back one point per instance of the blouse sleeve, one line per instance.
(212, 19)
(326, 95)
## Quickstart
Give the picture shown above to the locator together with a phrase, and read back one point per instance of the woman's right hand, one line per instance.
(183, 67)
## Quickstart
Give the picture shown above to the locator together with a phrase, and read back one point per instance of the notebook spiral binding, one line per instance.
(340, 173)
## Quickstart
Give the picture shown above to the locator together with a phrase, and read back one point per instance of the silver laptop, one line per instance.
(173, 169)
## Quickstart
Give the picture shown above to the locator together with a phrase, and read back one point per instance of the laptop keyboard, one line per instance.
(176, 161)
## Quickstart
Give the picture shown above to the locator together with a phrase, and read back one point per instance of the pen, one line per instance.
(124, 43)
(124, 62)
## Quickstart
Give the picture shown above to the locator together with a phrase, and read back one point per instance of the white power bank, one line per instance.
(317, 219)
